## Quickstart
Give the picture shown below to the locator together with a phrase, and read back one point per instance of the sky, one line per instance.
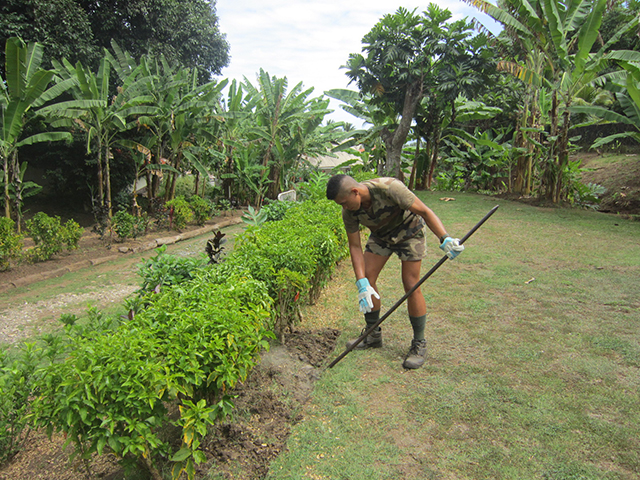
(307, 40)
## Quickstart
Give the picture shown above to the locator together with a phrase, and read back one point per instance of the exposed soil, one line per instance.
(621, 179)
(268, 404)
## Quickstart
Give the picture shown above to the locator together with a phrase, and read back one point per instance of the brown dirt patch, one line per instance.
(621, 179)
(268, 404)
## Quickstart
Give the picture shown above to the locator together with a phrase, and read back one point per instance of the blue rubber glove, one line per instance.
(451, 247)
(365, 292)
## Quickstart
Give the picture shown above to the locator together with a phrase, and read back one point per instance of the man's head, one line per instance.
(345, 191)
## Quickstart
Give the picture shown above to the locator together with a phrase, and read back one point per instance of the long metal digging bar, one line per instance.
(410, 291)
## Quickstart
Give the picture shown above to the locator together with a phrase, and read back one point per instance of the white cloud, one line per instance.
(305, 40)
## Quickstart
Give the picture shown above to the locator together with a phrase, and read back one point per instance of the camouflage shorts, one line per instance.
(410, 250)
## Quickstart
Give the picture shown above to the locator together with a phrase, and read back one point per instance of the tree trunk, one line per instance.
(435, 148)
(7, 197)
(550, 176)
(100, 177)
(16, 181)
(394, 141)
(416, 161)
(174, 177)
(563, 153)
(107, 179)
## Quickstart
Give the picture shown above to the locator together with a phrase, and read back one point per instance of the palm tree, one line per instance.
(25, 87)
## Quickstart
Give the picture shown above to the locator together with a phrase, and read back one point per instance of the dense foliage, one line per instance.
(185, 32)
(51, 236)
(191, 344)
(553, 59)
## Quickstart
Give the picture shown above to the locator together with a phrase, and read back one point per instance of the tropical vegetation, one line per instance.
(121, 384)
(432, 92)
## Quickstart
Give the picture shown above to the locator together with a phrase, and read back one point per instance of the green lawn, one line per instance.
(534, 358)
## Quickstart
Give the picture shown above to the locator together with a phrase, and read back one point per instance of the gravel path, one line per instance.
(21, 322)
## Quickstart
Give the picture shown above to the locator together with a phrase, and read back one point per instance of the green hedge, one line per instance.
(190, 345)
(294, 257)
(193, 332)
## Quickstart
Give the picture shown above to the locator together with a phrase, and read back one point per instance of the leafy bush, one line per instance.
(180, 212)
(189, 348)
(276, 210)
(10, 243)
(71, 234)
(254, 217)
(315, 188)
(587, 195)
(49, 235)
(165, 270)
(202, 209)
(195, 331)
(126, 225)
(17, 387)
(293, 257)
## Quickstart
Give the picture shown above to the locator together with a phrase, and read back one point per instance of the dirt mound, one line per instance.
(268, 404)
(621, 178)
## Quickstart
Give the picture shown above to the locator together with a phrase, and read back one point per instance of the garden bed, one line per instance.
(268, 403)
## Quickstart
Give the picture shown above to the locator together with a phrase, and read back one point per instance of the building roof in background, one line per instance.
(327, 162)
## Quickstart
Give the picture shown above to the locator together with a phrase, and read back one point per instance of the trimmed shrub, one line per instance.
(180, 212)
(71, 234)
(189, 348)
(125, 225)
(294, 257)
(202, 209)
(49, 236)
(10, 243)
(195, 332)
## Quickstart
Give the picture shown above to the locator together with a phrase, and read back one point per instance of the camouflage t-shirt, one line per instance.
(388, 217)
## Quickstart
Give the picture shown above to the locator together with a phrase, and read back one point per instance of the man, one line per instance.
(398, 221)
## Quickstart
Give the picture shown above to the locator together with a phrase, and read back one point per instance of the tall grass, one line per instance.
(534, 359)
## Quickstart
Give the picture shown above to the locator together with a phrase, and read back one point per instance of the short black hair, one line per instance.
(334, 185)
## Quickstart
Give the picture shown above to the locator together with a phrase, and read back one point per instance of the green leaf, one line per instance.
(589, 33)
(181, 455)
(45, 137)
(190, 469)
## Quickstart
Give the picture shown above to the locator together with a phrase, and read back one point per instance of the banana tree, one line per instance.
(101, 115)
(628, 80)
(235, 113)
(184, 114)
(25, 87)
(279, 116)
(559, 36)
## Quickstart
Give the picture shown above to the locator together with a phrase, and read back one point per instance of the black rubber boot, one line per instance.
(373, 340)
(417, 353)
